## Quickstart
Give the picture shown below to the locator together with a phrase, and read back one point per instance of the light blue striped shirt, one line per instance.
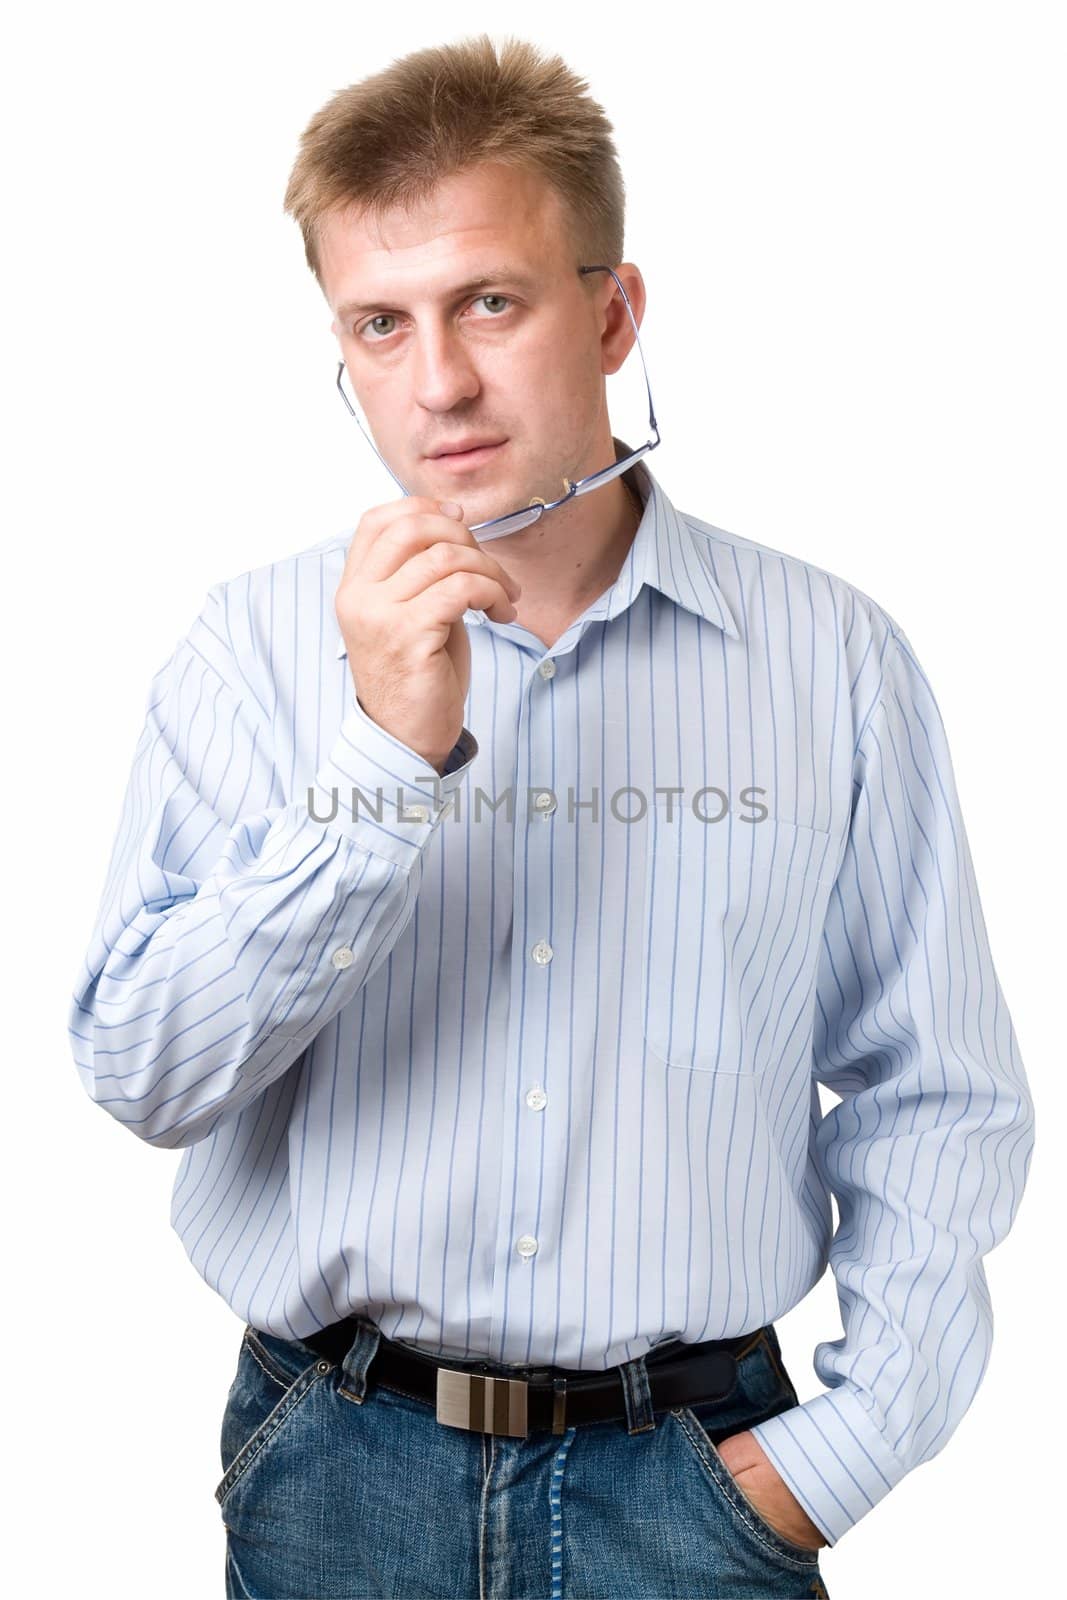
(522, 1062)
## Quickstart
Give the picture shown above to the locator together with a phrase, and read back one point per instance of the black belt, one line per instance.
(470, 1395)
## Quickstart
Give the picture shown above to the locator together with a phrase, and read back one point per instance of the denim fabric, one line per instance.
(337, 1487)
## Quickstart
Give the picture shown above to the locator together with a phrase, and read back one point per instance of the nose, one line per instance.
(444, 374)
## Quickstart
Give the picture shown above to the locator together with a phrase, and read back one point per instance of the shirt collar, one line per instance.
(666, 553)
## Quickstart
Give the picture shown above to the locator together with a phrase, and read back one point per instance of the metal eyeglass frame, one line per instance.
(522, 518)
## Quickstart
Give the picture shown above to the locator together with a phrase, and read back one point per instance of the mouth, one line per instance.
(460, 460)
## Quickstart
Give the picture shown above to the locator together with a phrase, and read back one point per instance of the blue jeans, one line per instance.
(336, 1487)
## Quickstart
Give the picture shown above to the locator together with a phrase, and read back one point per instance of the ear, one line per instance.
(619, 339)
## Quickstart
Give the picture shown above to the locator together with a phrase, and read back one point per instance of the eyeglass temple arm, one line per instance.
(637, 335)
(363, 431)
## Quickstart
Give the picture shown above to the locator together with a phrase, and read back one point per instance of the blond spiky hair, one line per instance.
(389, 140)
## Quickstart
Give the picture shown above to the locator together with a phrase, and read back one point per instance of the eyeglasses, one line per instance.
(496, 527)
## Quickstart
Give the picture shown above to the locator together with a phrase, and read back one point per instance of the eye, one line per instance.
(383, 316)
(499, 297)
(388, 316)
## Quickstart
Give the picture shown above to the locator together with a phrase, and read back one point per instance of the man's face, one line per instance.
(520, 358)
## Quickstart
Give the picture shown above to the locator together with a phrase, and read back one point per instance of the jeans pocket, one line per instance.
(274, 1378)
(733, 912)
(763, 1390)
(754, 1526)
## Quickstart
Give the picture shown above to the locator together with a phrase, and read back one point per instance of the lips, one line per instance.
(465, 446)
(469, 460)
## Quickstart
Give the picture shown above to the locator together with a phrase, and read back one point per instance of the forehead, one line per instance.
(474, 220)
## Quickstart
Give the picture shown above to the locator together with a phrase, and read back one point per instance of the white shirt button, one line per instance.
(545, 802)
(342, 957)
(527, 1246)
(542, 953)
(536, 1098)
(415, 813)
(547, 668)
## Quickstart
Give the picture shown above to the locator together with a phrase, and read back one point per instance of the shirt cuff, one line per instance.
(833, 1457)
(380, 793)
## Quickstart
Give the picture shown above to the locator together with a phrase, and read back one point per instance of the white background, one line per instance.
(850, 222)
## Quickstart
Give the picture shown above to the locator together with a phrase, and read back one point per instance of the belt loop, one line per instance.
(638, 1396)
(559, 1405)
(361, 1353)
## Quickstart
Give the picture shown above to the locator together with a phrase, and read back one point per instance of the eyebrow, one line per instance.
(521, 280)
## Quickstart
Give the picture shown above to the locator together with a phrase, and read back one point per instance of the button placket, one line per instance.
(532, 857)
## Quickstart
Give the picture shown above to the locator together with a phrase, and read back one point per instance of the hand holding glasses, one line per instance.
(496, 527)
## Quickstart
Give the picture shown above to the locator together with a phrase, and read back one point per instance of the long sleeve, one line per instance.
(233, 923)
(928, 1150)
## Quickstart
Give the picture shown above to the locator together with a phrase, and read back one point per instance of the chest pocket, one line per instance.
(733, 919)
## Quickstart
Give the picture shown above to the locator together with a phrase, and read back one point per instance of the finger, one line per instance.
(445, 601)
(440, 559)
(377, 518)
(407, 537)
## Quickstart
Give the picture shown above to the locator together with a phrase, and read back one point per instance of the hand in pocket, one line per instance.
(761, 1483)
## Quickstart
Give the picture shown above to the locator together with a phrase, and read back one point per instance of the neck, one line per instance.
(564, 562)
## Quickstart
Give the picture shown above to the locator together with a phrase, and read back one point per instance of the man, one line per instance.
(500, 1121)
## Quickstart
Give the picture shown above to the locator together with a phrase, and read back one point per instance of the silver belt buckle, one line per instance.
(483, 1403)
